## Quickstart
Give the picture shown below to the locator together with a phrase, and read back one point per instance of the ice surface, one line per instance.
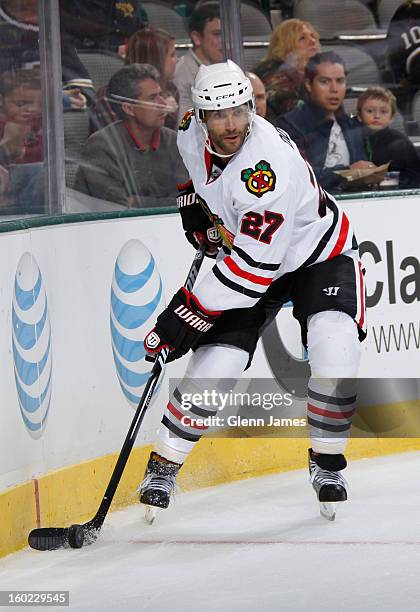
(254, 545)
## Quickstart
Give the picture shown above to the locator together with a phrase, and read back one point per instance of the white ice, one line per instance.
(254, 545)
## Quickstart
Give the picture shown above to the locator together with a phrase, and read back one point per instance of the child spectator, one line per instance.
(376, 109)
(20, 120)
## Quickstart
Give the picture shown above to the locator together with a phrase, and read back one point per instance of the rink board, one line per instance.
(66, 405)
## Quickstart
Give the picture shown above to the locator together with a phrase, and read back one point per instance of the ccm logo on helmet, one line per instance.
(193, 320)
(224, 96)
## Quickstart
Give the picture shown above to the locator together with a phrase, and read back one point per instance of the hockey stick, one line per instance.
(52, 538)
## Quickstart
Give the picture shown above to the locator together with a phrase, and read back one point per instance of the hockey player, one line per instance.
(283, 238)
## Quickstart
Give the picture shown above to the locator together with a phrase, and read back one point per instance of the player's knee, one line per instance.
(217, 362)
(333, 345)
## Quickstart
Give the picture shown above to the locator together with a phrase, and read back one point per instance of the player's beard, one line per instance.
(226, 147)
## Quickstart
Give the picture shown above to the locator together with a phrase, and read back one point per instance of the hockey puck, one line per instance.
(76, 536)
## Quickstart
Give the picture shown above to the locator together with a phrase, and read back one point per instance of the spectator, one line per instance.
(376, 109)
(404, 50)
(101, 24)
(20, 125)
(157, 47)
(148, 46)
(260, 94)
(292, 43)
(206, 36)
(21, 149)
(323, 132)
(20, 50)
(134, 161)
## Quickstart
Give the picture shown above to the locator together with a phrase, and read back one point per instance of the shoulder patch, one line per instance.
(186, 121)
(260, 179)
(126, 8)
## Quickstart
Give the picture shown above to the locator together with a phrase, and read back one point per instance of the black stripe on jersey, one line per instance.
(327, 426)
(254, 264)
(179, 433)
(354, 244)
(326, 237)
(338, 401)
(226, 281)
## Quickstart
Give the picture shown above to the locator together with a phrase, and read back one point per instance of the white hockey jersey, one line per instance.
(269, 210)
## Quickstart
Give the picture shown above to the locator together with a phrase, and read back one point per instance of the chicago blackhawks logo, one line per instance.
(260, 180)
(186, 121)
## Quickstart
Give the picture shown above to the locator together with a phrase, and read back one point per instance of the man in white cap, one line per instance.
(283, 238)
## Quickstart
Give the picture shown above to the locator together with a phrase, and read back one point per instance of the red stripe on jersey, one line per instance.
(258, 280)
(331, 415)
(185, 420)
(361, 321)
(342, 237)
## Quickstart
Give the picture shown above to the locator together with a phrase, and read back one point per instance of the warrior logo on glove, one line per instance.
(180, 325)
(152, 341)
(192, 319)
(213, 235)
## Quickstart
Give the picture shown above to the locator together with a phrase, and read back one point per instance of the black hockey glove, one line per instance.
(179, 326)
(197, 226)
(210, 237)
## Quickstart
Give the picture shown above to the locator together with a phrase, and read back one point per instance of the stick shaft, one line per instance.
(144, 402)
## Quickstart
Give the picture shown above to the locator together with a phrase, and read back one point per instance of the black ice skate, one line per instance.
(158, 484)
(329, 485)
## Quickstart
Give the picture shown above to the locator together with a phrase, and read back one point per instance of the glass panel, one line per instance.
(353, 115)
(120, 144)
(120, 149)
(22, 162)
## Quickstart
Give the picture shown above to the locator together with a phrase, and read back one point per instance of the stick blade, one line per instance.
(49, 538)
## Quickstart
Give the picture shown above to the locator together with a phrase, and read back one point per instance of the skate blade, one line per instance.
(327, 510)
(150, 514)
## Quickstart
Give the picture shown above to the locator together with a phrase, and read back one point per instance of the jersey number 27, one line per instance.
(253, 225)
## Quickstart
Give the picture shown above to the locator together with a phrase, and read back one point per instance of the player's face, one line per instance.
(208, 45)
(22, 105)
(149, 113)
(376, 114)
(328, 87)
(227, 128)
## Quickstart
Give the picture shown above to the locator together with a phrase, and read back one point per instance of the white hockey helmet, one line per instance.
(220, 86)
